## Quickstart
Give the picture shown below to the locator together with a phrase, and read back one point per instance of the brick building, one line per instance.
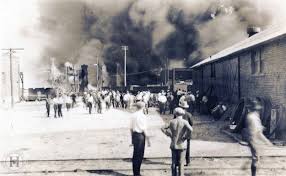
(254, 67)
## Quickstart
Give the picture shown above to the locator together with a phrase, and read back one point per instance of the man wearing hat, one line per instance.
(178, 130)
(138, 129)
(253, 133)
(188, 117)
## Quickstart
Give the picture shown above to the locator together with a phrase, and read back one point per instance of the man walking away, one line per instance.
(73, 97)
(68, 101)
(55, 102)
(171, 102)
(48, 105)
(60, 105)
(162, 99)
(178, 130)
(188, 117)
(138, 129)
(89, 103)
(126, 99)
(253, 133)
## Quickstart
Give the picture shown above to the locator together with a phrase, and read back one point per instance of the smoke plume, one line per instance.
(85, 31)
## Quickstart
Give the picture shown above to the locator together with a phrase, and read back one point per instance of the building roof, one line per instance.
(259, 38)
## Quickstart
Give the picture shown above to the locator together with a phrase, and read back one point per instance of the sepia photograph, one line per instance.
(143, 87)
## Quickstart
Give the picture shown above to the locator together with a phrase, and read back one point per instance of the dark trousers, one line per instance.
(60, 113)
(178, 162)
(89, 105)
(254, 157)
(55, 110)
(171, 107)
(73, 103)
(162, 108)
(48, 107)
(188, 152)
(99, 108)
(138, 141)
(68, 106)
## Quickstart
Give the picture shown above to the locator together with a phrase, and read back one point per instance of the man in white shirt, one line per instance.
(162, 103)
(138, 129)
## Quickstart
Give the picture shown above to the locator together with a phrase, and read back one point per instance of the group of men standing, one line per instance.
(180, 128)
(57, 102)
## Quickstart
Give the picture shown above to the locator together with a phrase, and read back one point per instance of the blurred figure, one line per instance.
(253, 133)
(178, 130)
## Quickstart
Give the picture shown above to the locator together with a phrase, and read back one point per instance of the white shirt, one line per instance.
(162, 99)
(68, 99)
(138, 122)
(55, 101)
(126, 97)
(60, 100)
(90, 99)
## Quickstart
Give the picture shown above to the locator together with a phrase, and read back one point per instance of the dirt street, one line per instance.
(83, 144)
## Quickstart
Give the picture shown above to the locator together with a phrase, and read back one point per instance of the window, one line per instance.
(257, 63)
(213, 74)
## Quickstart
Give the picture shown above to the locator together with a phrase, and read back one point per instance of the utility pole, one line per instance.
(167, 71)
(97, 75)
(125, 48)
(22, 82)
(11, 51)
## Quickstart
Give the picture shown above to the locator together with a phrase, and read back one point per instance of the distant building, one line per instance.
(5, 81)
(254, 67)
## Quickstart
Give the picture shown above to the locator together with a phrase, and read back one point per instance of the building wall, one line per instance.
(237, 70)
(271, 82)
(223, 81)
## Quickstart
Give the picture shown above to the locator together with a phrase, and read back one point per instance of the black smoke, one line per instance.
(83, 31)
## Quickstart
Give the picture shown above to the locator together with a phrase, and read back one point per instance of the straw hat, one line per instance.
(179, 111)
(184, 104)
(140, 105)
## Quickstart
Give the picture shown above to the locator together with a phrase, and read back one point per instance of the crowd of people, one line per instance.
(181, 104)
